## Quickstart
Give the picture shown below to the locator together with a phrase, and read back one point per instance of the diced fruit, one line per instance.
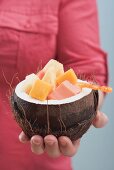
(58, 67)
(29, 81)
(40, 74)
(32, 77)
(64, 90)
(68, 75)
(50, 77)
(40, 90)
(40, 85)
(28, 89)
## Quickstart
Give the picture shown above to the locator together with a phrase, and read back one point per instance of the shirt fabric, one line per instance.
(31, 33)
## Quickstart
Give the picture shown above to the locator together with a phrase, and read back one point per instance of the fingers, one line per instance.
(63, 145)
(51, 146)
(68, 148)
(23, 138)
(100, 120)
(37, 145)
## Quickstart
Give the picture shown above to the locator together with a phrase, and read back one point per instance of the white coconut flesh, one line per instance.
(20, 92)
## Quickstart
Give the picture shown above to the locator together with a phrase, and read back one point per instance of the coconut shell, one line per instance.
(70, 119)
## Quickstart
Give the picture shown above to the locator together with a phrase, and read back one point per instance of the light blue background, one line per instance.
(97, 147)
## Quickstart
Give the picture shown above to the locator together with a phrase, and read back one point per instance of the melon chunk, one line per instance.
(64, 90)
(31, 78)
(29, 81)
(50, 77)
(40, 90)
(57, 66)
(68, 75)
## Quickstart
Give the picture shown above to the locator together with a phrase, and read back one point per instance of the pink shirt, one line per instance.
(31, 33)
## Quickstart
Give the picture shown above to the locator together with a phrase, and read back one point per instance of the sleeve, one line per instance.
(78, 44)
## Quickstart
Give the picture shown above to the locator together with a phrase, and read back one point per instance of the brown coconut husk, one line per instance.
(72, 119)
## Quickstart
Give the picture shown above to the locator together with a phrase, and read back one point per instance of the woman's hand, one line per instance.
(52, 146)
(62, 146)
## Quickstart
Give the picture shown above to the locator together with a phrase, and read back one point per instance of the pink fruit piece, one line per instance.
(41, 74)
(64, 90)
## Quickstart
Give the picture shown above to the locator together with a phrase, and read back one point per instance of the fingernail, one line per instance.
(36, 142)
(49, 142)
(22, 138)
(63, 143)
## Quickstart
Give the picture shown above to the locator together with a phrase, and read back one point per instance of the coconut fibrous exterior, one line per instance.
(71, 118)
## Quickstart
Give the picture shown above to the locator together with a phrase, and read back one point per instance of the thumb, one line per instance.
(100, 120)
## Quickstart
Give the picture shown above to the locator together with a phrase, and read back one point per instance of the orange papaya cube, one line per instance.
(68, 75)
(64, 90)
(40, 90)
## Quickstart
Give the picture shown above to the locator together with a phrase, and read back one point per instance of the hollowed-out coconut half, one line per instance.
(71, 117)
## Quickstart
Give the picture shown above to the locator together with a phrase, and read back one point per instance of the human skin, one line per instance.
(63, 145)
